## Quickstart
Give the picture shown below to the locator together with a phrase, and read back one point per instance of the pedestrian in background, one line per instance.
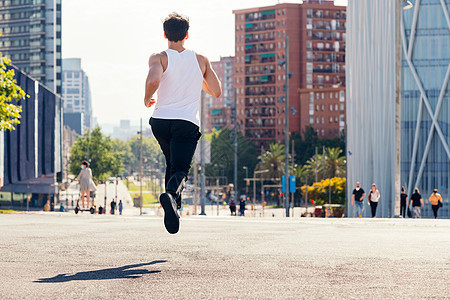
(416, 203)
(242, 206)
(120, 207)
(403, 202)
(113, 207)
(357, 199)
(233, 207)
(436, 202)
(86, 183)
(374, 197)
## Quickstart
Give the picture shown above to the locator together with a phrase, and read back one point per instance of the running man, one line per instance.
(178, 75)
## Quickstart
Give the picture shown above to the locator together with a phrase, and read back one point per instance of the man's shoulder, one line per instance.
(158, 57)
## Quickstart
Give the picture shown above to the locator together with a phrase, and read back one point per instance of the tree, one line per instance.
(96, 148)
(319, 193)
(273, 160)
(10, 93)
(222, 156)
(331, 164)
(152, 156)
(305, 145)
(123, 149)
(335, 164)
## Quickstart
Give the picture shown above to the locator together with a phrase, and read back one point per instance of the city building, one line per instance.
(76, 92)
(126, 130)
(324, 110)
(33, 153)
(316, 59)
(218, 110)
(425, 100)
(75, 122)
(322, 44)
(31, 38)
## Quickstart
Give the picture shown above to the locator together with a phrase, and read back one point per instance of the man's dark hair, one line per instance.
(85, 163)
(175, 27)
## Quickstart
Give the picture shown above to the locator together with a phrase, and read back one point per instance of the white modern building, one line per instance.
(76, 93)
(425, 100)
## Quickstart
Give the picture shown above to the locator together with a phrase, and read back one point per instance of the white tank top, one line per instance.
(180, 88)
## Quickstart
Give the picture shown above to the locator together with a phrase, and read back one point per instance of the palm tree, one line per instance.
(272, 160)
(334, 163)
(329, 165)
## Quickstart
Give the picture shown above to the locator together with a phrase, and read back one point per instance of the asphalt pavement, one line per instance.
(68, 256)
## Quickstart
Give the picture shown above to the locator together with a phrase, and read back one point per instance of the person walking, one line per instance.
(373, 198)
(178, 75)
(233, 207)
(120, 207)
(436, 202)
(113, 207)
(416, 203)
(242, 206)
(86, 183)
(403, 202)
(357, 200)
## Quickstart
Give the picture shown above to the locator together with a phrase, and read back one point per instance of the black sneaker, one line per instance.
(171, 217)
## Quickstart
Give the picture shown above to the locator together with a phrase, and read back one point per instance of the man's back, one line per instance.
(180, 87)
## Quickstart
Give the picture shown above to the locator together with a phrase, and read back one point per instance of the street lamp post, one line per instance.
(140, 169)
(286, 113)
(246, 182)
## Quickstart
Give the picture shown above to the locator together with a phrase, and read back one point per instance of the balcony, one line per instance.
(252, 39)
(266, 70)
(260, 103)
(336, 16)
(253, 27)
(263, 58)
(258, 50)
(260, 134)
(261, 92)
(321, 38)
(260, 16)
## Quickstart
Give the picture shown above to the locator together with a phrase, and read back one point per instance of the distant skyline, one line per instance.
(114, 40)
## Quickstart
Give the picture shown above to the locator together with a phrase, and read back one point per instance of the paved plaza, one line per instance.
(68, 256)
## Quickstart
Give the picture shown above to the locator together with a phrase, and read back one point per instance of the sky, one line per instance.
(115, 38)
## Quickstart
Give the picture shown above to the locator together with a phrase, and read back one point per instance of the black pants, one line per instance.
(373, 207)
(435, 210)
(403, 208)
(178, 140)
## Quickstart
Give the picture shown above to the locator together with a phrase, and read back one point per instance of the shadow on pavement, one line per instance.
(105, 274)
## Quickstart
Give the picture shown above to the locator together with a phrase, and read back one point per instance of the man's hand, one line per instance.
(149, 102)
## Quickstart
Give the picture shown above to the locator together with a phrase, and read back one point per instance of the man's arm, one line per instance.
(353, 199)
(362, 198)
(211, 83)
(155, 72)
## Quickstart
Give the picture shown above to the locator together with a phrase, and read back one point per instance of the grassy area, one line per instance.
(136, 188)
(149, 198)
(10, 211)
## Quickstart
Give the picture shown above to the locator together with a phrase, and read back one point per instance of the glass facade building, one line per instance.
(31, 38)
(425, 100)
